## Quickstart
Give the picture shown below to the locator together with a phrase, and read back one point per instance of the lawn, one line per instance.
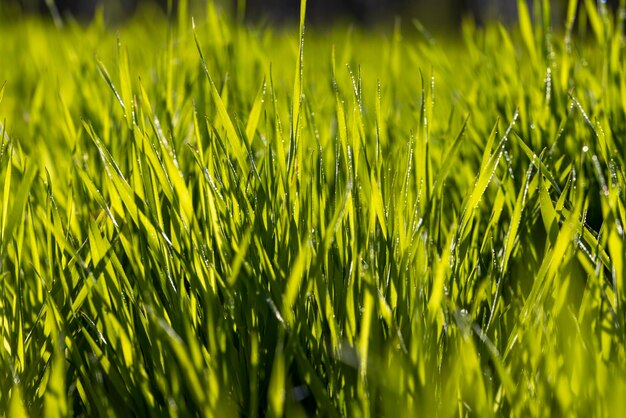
(201, 217)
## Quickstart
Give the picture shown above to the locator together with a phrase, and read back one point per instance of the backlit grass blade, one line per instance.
(485, 176)
(292, 287)
(365, 333)
(516, 218)
(572, 6)
(99, 245)
(255, 113)
(595, 20)
(71, 132)
(440, 274)
(16, 405)
(5, 195)
(526, 28)
(548, 212)
(422, 159)
(234, 141)
(297, 84)
(177, 182)
(449, 158)
(277, 387)
(107, 78)
(20, 198)
(377, 207)
(55, 401)
(279, 146)
(125, 84)
(240, 257)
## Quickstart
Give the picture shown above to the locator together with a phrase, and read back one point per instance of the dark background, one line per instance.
(438, 13)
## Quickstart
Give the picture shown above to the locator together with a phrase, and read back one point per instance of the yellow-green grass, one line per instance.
(205, 218)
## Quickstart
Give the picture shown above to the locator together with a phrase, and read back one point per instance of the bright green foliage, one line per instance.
(401, 225)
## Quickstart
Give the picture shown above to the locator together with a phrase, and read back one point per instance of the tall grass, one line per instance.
(217, 220)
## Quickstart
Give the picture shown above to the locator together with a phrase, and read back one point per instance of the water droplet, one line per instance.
(585, 148)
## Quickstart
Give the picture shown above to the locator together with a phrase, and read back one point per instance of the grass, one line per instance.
(220, 220)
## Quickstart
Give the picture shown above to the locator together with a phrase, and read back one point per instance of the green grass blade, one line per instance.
(255, 113)
(526, 27)
(239, 149)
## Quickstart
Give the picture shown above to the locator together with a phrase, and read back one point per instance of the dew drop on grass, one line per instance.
(613, 172)
(548, 83)
(510, 127)
(598, 167)
(432, 91)
(364, 265)
(509, 164)
(585, 148)
(585, 116)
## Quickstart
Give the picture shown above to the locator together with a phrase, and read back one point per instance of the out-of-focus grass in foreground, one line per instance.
(220, 220)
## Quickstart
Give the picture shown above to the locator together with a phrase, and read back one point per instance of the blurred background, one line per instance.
(433, 14)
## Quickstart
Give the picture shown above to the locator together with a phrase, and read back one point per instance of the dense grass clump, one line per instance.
(219, 220)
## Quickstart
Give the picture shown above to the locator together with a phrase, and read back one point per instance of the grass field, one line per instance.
(214, 219)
